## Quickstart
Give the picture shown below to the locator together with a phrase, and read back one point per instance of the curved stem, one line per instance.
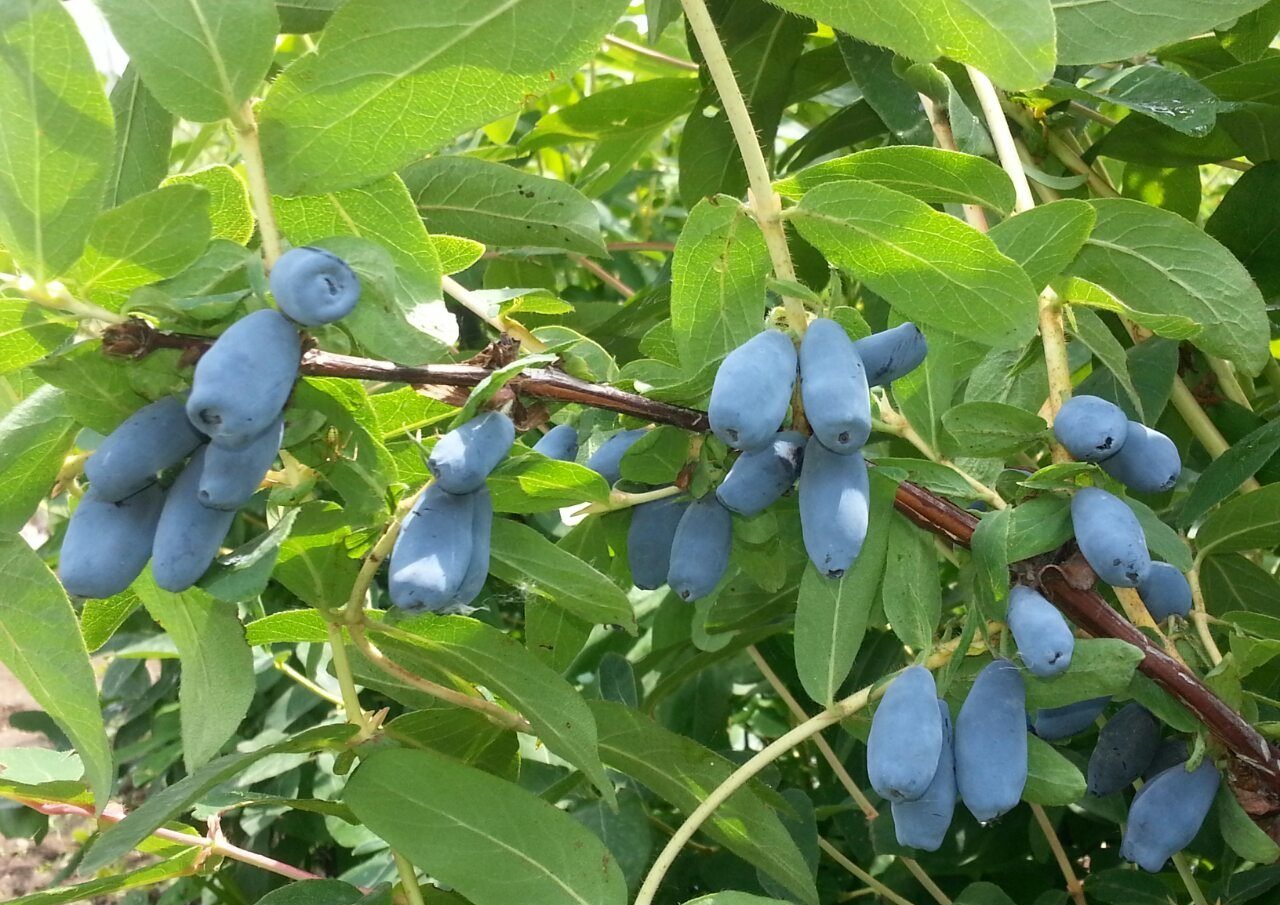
(651, 54)
(740, 777)
(310, 685)
(872, 883)
(255, 167)
(894, 423)
(763, 199)
(620, 499)
(462, 295)
(1074, 887)
(1200, 615)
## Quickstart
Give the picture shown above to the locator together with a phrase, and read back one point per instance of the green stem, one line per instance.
(255, 167)
(346, 678)
(1189, 879)
(872, 883)
(408, 879)
(1202, 427)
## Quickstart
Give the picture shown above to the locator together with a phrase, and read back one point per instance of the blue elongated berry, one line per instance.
(155, 437)
(760, 476)
(923, 823)
(1167, 813)
(189, 533)
(835, 496)
(905, 742)
(1044, 639)
(232, 476)
(700, 549)
(1110, 537)
(432, 555)
(991, 742)
(1091, 429)
(314, 286)
(649, 540)
(833, 385)
(752, 390)
(108, 542)
(1166, 592)
(243, 382)
(481, 543)
(463, 458)
(561, 442)
(606, 461)
(1148, 462)
(1053, 723)
(892, 353)
(1126, 745)
(1172, 751)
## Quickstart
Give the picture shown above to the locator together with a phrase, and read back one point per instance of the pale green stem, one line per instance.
(462, 295)
(890, 422)
(1189, 879)
(1202, 427)
(1074, 887)
(408, 879)
(346, 678)
(620, 499)
(872, 883)
(307, 683)
(246, 127)
(1200, 615)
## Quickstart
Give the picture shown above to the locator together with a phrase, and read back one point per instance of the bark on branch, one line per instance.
(1256, 763)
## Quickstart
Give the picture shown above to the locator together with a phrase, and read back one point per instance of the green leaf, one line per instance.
(1244, 836)
(1147, 89)
(625, 832)
(983, 893)
(525, 559)
(287, 627)
(481, 654)
(35, 437)
(926, 264)
(314, 563)
(1011, 42)
(926, 393)
(682, 772)
(176, 861)
(718, 275)
(553, 634)
(382, 212)
(831, 615)
(1046, 239)
(1233, 582)
(763, 46)
(1126, 886)
(885, 91)
(144, 132)
(100, 617)
(28, 333)
(159, 808)
(530, 482)
(40, 643)
(503, 207)
(658, 457)
(456, 253)
(101, 391)
(217, 666)
(1099, 31)
(313, 892)
(202, 59)
(148, 238)
(498, 833)
(929, 174)
(1249, 522)
(1153, 366)
(911, 591)
(1051, 778)
(1246, 227)
(1156, 261)
(394, 81)
(637, 108)
(1089, 328)
(56, 137)
(1226, 473)
(734, 898)
(991, 428)
(1099, 667)
(230, 213)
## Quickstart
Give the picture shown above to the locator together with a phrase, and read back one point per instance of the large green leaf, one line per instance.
(500, 837)
(217, 665)
(990, 428)
(1227, 472)
(35, 437)
(524, 558)
(683, 772)
(162, 806)
(174, 860)
(1051, 778)
(1155, 261)
(1248, 228)
(832, 614)
(146, 239)
(40, 643)
(910, 589)
(926, 264)
(1249, 522)
(56, 137)
(1045, 239)
(394, 81)
(503, 207)
(144, 132)
(481, 654)
(28, 332)
(230, 210)
(202, 59)
(718, 278)
(1098, 31)
(930, 174)
(530, 482)
(382, 212)
(1011, 40)
(1099, 667)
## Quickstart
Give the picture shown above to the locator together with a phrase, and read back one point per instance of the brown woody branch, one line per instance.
(1256, 763)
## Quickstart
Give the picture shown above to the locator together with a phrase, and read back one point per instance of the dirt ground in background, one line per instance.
(25, 867)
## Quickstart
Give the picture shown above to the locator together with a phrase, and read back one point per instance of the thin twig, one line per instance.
(246, 127)
(651, 54)
(307, 683)
(604, 276)
(462, 295)
(1200, 615)
(1074, 887)
(872, 883)
(1203, 428)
